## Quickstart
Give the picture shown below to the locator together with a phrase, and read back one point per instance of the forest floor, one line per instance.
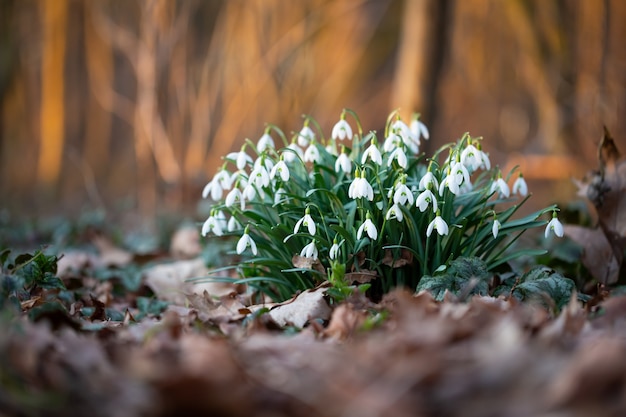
(126, 334)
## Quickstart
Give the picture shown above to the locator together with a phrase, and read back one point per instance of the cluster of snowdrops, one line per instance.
(306, 208)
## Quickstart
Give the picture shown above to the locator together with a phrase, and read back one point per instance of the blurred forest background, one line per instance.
(128, 106)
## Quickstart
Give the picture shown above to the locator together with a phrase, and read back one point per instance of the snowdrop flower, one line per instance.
(418, 129)
(372, 153)
(343, 162)
(306, 221)
(438, 224)
(367, 227)
(233, 224)
(305, 136)
(280, 169)
(246, 241)
(392, 141)
(280, 194)
(260, 177)
(484, 158)
(519, 186)
(496, 227)
(471, 157)
(212, 224)
(310, 250)
(249, 192)
(264, 162)
(555, 226)
(401, 129)
(334, 249)
(241, 159)
(403, 194)
(451, 182)
(360, 187)
(294, 152)
(265, 142)
(425, 198)
(395, 212)
(501, 187)
(233, 196)
(220, 182)
(427, 180)
(312, 154)
(460, 173)
(399, 155)
(342, 129)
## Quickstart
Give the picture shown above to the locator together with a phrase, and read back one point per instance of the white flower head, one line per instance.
(392, 141)
(233, 196)
(395, 212)
(305, 136)
(501, 187)
(425, 198)
(520, 187)
(460, 173)
(280, 196)
(471, 157)
(334, 249)
(306, 221)
(213, 224)
(343, 163)
(281, 170)
(554, 226)
(438, 224)
(427, 180)
(312, 154)
(260, 177)
(450, 181)
(403, 194)
(233, 224)
(240, 158)
(265, 142)
(310, 250)
(399, 155)
(495, 228)
(401, 129)
(368, 227)
(418, 128)
(342, 130)
(373, 153)
(246, 241)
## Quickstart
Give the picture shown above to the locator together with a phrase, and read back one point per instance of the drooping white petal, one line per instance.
(343, 163)
(342, 130)
(554, 226)
(495, 228)
(520, 187)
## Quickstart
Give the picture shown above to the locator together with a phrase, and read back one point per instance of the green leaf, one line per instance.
(462, 274)
(542, 281)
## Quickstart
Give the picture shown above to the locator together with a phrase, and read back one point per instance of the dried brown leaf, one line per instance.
(390, 259)
(597, 254)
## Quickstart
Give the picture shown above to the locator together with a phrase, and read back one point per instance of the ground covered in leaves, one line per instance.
(103, 331)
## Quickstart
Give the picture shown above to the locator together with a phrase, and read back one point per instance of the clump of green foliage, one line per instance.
(318, 208)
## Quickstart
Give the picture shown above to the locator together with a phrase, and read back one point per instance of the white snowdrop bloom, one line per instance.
(343, 163)
(520, 187)
(290, 156)
(412, 144)
(554, 226)
(233, 224)
(392, 141)
(425, 199)
(260, 177)
(399, 155)
(501, 187)
(401, 129)
(305, 136)
(368, 227)
(395, 212)
(427, 180)
(471, 158)
(312, 154)
(233, 196)
(212, 224)
(484, 159)
(309, 251)
(334, 250)
(331, 148)
(360, 187)
(495, 228)
(403, 195)
(265, 142)
(438, 224)
(373, 153)
(281, 170)
(342, 130)
(460, 173)
(241, 159)
(419, 129)
(306, 221)
(264, 162)
(246, 241)
(450, 182)
(214, 189)
(249, 192)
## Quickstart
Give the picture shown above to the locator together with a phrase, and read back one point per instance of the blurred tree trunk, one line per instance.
(54, 15)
